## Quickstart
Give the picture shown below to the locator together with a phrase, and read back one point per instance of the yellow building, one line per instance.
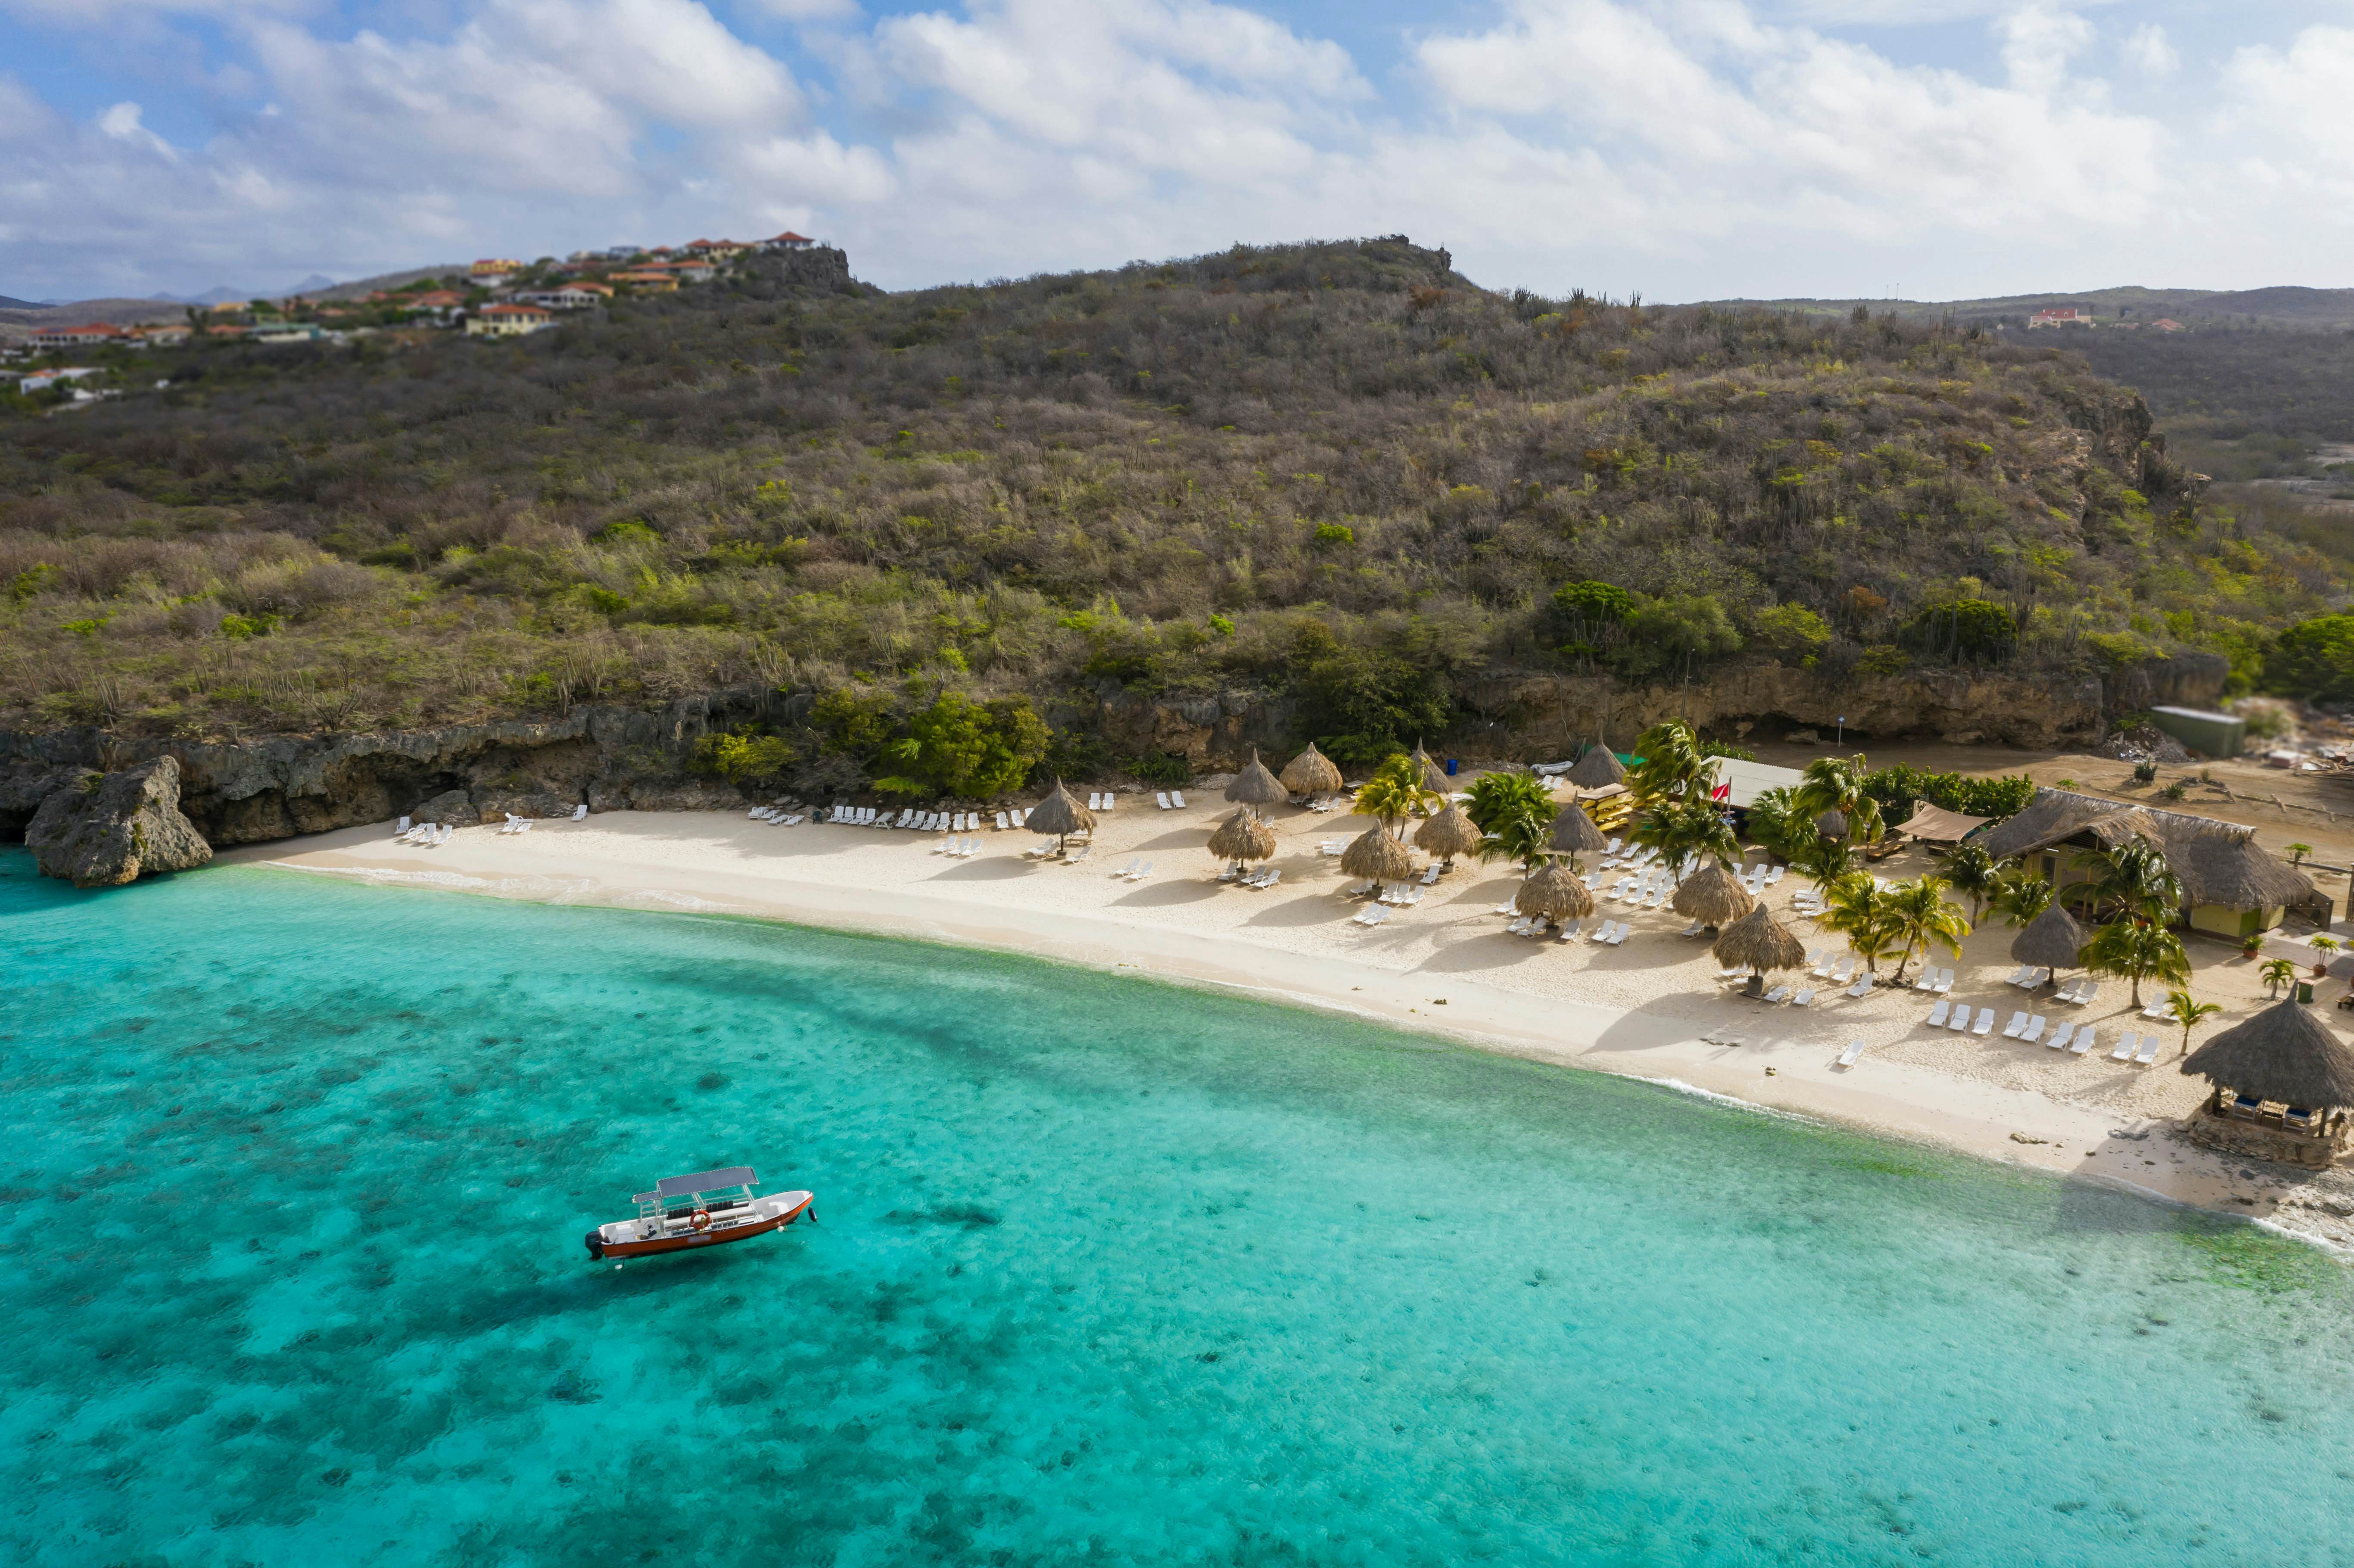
(508, 321)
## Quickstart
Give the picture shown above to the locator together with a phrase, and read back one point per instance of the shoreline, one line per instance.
(1456, 978)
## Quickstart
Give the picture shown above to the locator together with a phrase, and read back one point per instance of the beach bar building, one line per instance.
(2231, 888)
(2282, 1085)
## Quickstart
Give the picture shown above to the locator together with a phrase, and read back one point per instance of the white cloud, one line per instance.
(2150, 50)
(2036, 44)
(122, 124)
(811, 10)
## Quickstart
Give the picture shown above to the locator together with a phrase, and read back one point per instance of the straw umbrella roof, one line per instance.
(1574, 831)
(2051, 940)
(1713, 897)
(1060, 813)
(1376, 853)
(1243, 835)
(1554, 894)
(1311, 773)
(1832, 824)
(1448, 833)
(1758, 942)
(1597, 769)
(2284, 1054)
(1432, 775)
(1255, 786)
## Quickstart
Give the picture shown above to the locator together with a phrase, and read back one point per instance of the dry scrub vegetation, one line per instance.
(1340, 469)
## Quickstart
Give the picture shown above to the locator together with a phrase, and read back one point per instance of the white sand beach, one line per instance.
(1652, 1008)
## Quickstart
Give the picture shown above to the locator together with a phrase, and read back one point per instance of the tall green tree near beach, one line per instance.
(2131, 879)
(1836, 784)
(967, 750)
(1774, 822)
(1394, 792)
(2137, 951)
(2020, 895)
(1918, 916)
(1974, 875)
(1822, 861)
(1522, 835)
(2181, 1007)
(1674, 763)
(1855, 907)
(1684, 827)
(1495, 797)
(2276, 973)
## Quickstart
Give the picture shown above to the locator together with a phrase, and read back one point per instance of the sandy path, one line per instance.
(1647, 1009)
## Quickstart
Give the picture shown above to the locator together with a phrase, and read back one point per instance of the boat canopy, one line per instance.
(705, 1182)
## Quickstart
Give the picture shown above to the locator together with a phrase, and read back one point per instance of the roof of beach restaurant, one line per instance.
(2218, 862)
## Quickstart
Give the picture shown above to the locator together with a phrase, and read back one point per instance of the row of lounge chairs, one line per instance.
(1135, 870)
(777, 817)
(2030, 1029)
(1262, 879)
(424, 835)
(958, 849)
(1169, 799)
(1371, 915)
(514, 824)
(847, 815)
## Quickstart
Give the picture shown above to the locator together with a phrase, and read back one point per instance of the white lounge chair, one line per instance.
(1021, 817)
(1160, 798)
(1001, 824)
(2034, 1029)
(1079, 855)
(2149, 1052)
(1618, 939)
(1130, 866)
(1779, 993)
(1518, 928)
(2083, 1042)
(1570, 932)
(1430, 877)
(2088, 994)
(1371, 915)
(1805, 998)
(1985, 1025)
(1862, 986)
(1270, 878)
(1602, 932)
(1937, 1015)
(1694, 930)
(2154, 1010)
(2125, 1043)
(580, 812)
(1842, 971)
(1961, 1018)
(2016, 1027)
(2039, 980)
(1849, 1057)
(1141, 872)
(2061, 1036)
(1177, 799)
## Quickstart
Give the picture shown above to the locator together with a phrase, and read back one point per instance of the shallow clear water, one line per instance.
(1107, 1273)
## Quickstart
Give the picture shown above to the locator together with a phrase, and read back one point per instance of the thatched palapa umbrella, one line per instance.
(1715, 897)
(1757, 942)
(1448, 833)
(1376, 854)
(1598, 769)
(1243, 835)
(1311, 773)
(1255, 786)
(1574, 832)
(1061, 815)
(1432, 775)
(1832, 824)
(1554, 894)
(2284, 1053)
(2050, 941)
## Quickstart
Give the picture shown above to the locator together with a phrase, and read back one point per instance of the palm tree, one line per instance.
(1824, 861)
(2137, 951)
(2296, 853)
(1774, 825)
(2183, 1010)
(1855, 907)
(1682, 829)
(1524, 836)
(2020, 895)
(1973, 873)
(1672, 765)
(1918, 915)
(1836, 784)
(2277, 974)
(2131, 879)
(1393, 793)
(1493, 797)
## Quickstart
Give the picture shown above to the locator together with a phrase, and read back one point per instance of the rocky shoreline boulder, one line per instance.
(103, 829)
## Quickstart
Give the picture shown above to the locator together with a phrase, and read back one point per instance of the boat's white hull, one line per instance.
(648, 1238)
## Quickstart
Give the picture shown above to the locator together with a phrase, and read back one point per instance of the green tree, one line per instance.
(1775, 824)
(1918, 915)
(1856, 908)
(2313, 660)
(1686, 827)
(967, 750)
(1822, 861)
(854, 721)
(2020, 895)
(1836, 784)
(1493, 797)
(1791, 630)
(1363, 704)
(1973, 630)
(1522, 834)
(1974, 875)
(2278, 973)
(1680, 631)
(745, 757)
(2183, 1010)
(2297, 852)
(2131, 879)
(1674, 763)
(1394, 792)
(2136, 951)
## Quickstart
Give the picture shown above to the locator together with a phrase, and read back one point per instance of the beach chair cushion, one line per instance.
(1937, 1015)
(1804, 999)
(2016, 1027)
(2125, 1043)
(1854, 1052)
(1984, 1025)
(2149, 1052)
(2061, 1036)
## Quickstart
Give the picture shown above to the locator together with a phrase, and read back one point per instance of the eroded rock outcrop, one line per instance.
(102, 830)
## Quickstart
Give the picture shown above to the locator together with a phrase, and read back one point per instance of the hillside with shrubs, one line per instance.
(1341, 473)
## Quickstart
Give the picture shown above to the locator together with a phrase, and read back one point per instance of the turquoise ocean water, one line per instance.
(1107, 1273)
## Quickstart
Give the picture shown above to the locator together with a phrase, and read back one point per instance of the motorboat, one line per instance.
(708, 1208)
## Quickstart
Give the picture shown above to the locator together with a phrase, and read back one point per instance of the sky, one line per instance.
(1681, 149)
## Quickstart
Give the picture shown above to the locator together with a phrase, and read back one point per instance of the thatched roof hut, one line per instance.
(1554, 894)
(1243, 835)
(1311, 773)
(1255, 786)
(2284, 1053)
(1713, 897)
(1597, 769)
(2224, 874)
(1061, 815)
(1574, 831)
(1832, 824)
(1448, 833)
(1431, 774)
(1757, 942)
(2050, 941)
(1377, 854)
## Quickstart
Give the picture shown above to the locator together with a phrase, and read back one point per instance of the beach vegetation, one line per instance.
(1836, 784)
(2276, 973)
(1394, 792)
(2131, 879)
(2019, 895)
(1974, 875)
(1822, 861)
(1495, 797)
(2313, 660)
(1775, 824)
(2137, 951)
(966, 749)
(1674, 764)
(2187, 1011)
(1684, 828)
(747, 757)
(1856, 907)
(1522, 834)
(1919, 915)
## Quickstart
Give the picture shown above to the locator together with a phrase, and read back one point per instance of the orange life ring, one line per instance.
(702, 1220)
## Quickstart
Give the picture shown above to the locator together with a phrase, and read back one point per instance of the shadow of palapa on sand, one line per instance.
(1163, 895)
(995, 868)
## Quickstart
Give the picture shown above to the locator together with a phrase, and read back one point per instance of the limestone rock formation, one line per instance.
(103, 829)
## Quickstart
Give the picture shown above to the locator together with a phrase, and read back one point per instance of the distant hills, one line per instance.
(19, 318)
(2306, 310)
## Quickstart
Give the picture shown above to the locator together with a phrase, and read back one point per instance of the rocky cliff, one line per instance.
(102, 830)
(610, 758)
